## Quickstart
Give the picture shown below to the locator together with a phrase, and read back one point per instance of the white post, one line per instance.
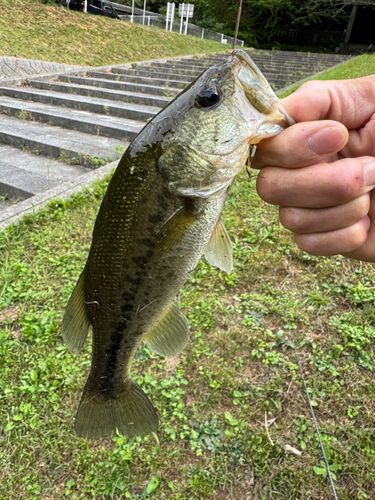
(187, 18)
(144, 12)
(222, 38)
(132, 10)
(85, 6)
(172, 17)
(131, 19)
(166, 17)
(182, 17)
(202, 33)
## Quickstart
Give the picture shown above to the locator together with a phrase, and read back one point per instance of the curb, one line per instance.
(13, 213)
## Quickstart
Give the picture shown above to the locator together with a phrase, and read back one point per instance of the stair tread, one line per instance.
(72, 114)
(97, 146)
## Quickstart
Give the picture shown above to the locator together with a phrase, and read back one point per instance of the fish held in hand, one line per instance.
(160, 214)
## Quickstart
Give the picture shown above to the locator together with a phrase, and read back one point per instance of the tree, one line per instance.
(267, 20)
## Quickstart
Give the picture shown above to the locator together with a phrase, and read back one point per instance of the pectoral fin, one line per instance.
(174, 231)
(170, 335)
(75, 325)
(218, 251)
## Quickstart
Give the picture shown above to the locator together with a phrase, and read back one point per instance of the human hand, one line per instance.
(321, 171)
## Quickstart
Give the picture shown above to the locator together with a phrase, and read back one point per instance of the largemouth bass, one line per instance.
(160, 214)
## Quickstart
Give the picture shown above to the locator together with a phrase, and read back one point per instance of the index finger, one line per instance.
(351, 102)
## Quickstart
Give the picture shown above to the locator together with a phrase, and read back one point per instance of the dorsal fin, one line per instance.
(218, 251)
(170, 334)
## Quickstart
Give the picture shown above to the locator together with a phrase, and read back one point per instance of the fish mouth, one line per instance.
(272, 117)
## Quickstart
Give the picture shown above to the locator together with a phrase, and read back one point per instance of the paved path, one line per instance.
(58, 122)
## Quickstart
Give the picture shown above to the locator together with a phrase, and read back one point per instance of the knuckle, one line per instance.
(362, 206)
(292, 219)
(358, 236)
(347, 179)
(267, 185)
(308, 244)
(348, 187)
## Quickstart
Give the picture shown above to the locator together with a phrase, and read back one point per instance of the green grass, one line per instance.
(238, 369)
(31, 30)
(359, 66)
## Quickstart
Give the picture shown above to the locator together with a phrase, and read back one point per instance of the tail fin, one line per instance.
(130, 412)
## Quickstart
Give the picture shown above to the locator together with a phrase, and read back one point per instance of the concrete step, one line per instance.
(163, 73)
(66, 145)
(90, 91)
(16, 184)
(156, 82)
(276, 75)
(287, 65)
(83, 121)
(194, 65)
(120, 85)
(93, 105)
(183, 69)
(23, 175)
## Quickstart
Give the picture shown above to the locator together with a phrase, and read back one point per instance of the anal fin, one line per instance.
(170, 334)
(75, 325)
(219, 251)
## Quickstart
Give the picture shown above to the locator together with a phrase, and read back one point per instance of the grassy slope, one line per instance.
(32, 30)
(213, 398)
(360, 66)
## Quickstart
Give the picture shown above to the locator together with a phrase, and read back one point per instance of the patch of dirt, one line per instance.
(8, 314)
(17, 334)
(171, 364)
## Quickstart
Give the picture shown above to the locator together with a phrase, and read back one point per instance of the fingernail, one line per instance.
(367, 222)
(369, 172)
(328, 140)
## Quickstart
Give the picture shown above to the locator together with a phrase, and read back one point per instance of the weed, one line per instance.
(120, 149)
(322, 471)
(23, 115)
(167, 91)
(74, 161)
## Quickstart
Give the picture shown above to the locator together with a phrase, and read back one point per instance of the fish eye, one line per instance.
(208, 97)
